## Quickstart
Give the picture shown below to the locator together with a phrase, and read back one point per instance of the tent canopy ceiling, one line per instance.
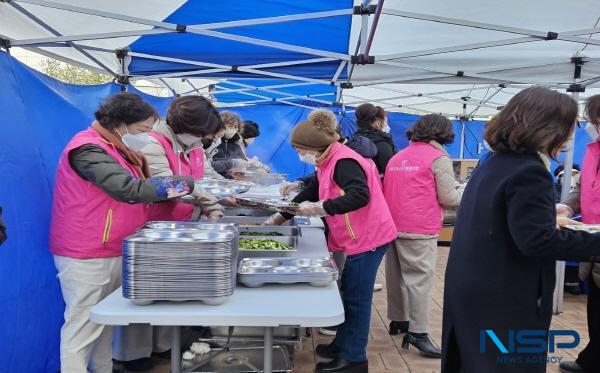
(428, 55)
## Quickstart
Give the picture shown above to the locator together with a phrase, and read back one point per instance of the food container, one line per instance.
(258, 253)
(256, 272)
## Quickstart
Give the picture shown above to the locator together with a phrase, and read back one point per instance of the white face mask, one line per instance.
(188, 139)
(592, 131)
(229, 133)
(137, 141)
(386, 129)
(308, 158)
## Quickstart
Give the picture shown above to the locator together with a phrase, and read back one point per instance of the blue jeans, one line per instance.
(358, 279)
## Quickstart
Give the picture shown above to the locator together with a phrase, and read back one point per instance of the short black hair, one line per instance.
(195, 115)
(250, 130)
(561, 167)
(124, 108)
(432, 127)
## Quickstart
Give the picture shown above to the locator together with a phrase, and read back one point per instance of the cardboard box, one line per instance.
(463, 168)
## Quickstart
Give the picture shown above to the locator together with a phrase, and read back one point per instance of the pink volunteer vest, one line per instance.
(366, 228)
(86, 222)
(180, 167)
(590, 185)
(410, 190)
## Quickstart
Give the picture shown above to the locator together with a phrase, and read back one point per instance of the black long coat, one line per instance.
(501, 268)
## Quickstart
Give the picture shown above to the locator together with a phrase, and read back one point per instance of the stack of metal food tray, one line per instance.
(256, 272)
(178, 264)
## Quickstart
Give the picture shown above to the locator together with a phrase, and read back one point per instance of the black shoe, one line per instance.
(397, 327)
(138, 365)
(166, 355)
(329, 351)
(422, 343)
(570, 367)
(342, 366)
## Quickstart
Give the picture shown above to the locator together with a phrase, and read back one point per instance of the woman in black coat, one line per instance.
(501, 269)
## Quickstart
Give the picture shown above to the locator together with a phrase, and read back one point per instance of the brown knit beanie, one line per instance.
(317, 132)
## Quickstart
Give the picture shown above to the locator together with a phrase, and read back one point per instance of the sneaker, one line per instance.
(377, 287)
(330, 330)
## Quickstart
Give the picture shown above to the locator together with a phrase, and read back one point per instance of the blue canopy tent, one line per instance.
(287, 56)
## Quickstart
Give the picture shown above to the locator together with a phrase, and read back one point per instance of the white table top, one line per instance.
(271, 305)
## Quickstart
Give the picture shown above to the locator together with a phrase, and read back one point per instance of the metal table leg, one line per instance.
(268, 357)
(176, 350)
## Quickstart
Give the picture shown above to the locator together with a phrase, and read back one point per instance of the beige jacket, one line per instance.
(585, 269)
(159, 163)
(448, 192)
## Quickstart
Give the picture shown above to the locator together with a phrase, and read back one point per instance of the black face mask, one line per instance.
(206, 143)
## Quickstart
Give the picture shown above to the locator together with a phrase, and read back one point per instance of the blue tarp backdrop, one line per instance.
(39, 116)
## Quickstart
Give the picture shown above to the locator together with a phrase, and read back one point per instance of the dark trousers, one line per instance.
(358, 279)
(589, 358)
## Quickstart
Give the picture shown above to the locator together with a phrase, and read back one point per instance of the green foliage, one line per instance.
(72, 74)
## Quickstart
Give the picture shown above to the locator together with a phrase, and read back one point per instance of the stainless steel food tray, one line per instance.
(292, 241)
(189, 225)
(267, 203)
(253, 221)
(181, 235)
(257, 272)
(282, 230)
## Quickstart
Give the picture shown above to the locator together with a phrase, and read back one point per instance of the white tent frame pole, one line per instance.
(338, 71)
(494, 78)
(228, 90)
(290, 63)
(50, 29)
(288, 95)
(84, 37)
(472, 46)
(168, 86)
(271, 44)
(436, 92)
(486, 100)
(462, 131)
(179, 74)
(166, 25)
(431, 96)
(364, 29)
(488, 26)
(179, 60)
(204, 30)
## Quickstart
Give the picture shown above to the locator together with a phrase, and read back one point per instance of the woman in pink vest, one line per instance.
(419, 183)
(175, 148)
(585, 199)
(347, 192)
(102, 191)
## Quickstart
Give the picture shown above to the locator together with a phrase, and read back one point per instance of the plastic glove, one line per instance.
(287, 188)
(311, 209)
(203, 199)
(563, 210)
(258, 164)
(229, 202)
(275, 219)
(561, 221)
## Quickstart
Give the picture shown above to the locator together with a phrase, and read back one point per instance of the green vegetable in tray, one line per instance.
(262, 244)
(250, 233)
